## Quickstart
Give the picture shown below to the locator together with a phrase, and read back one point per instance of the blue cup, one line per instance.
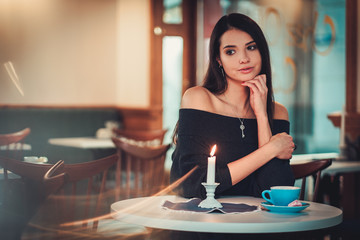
(281, 195)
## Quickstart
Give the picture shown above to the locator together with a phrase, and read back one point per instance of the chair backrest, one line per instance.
(140, 169)
(83, 199)
(311, 168)
(26, 170)
(156, 136)
(11, 144)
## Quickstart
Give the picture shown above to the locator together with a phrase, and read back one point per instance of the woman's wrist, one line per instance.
(263, 117)
(271, 150)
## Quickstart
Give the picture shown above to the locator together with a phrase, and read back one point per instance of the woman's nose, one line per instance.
(244, 58)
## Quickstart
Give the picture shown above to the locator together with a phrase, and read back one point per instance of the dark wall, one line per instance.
(48, 123)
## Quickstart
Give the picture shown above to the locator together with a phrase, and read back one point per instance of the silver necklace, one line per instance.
(242, 126)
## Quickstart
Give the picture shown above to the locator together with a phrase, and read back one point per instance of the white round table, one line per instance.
(149, 213)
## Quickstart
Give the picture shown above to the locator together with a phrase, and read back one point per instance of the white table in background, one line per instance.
(83, 142)
(16, 147)
(338, 166)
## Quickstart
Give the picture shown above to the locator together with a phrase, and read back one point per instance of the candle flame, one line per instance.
(213, 150)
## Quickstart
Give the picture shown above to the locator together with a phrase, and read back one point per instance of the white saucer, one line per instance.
(284, 209)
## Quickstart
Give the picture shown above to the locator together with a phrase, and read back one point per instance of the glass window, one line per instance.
(172, 81)
(172, 12)
(172, 64)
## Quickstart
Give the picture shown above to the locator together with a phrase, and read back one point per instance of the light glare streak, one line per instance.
(13, 76)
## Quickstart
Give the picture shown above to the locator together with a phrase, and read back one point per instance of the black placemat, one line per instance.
(192, 206)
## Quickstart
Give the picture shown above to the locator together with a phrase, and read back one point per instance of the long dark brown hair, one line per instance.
(214, 80)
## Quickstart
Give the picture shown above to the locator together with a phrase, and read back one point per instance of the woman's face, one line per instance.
(239, 56)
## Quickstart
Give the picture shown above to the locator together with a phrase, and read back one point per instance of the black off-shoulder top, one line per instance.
(199, 130)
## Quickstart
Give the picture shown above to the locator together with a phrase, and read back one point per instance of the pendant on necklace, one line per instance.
(242, 127)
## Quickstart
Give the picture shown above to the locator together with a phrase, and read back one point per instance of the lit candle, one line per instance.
(211, 166)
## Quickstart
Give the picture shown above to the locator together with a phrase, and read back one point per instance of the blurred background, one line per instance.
(138, 57)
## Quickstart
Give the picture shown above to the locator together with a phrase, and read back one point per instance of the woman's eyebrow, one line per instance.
(229, 46)
(249, 43)
(233, 46)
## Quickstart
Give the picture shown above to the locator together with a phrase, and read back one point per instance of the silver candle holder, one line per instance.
(210, 201)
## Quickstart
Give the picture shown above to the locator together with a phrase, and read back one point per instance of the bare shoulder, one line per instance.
(280, 112)
(197, 98)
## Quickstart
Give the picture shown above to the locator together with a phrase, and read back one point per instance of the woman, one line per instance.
(235, 110)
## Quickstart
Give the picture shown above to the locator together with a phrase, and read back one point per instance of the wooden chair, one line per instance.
(148, 136)
(29, 181)
(12, 143)
(140, 170)
(21, 196)
(312, 168)
(81, 209)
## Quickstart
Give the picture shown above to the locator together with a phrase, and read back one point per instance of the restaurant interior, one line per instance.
(91, 89)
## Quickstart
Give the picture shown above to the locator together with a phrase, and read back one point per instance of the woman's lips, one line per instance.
(246, 70)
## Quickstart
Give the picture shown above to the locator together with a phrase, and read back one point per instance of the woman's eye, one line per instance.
(230, 52)
(252, 47)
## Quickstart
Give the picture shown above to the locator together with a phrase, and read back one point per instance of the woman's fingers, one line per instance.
(262, 79)
(285, 145)
(258, 93)
(258, 84)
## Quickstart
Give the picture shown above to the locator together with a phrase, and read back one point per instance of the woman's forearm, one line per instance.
(243, 167)
(264, 130)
